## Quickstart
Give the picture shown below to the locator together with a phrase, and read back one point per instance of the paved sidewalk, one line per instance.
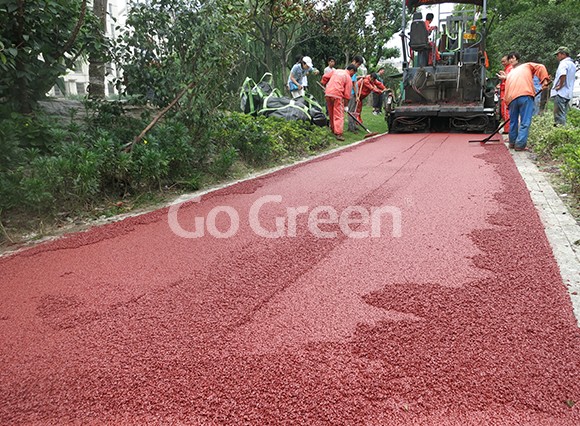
(561, 228)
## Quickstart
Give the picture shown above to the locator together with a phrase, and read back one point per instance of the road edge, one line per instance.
(561, 229)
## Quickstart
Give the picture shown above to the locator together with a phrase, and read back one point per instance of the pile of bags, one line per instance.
(262, 99)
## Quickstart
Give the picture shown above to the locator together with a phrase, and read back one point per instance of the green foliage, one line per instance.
(111, 115)
(297, 138)
(249, 137)
(571, 165)
(261, 141)
(559, 143)
(150, 164)
(223, 161)
(170, 44)
(345, 28)
(548, 140)
(77, 166)
(573, 118)
(503, 9)
(536, 31)
(39, 41)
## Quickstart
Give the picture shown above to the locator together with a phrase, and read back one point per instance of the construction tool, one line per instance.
(369, 133)
(489, 138)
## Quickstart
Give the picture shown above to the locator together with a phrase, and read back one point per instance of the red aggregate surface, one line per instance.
(462, 319)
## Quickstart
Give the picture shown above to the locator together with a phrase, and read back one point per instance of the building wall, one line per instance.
(76, 81)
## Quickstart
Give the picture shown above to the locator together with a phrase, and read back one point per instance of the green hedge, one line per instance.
(560, 143)
(47, 168)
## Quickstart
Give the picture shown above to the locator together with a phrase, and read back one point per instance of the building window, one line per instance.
(81, 89)
(111, 89)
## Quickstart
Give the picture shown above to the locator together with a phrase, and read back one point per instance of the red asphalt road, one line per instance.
(463, 319)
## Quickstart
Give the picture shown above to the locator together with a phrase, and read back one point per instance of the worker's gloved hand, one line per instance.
(345, 109)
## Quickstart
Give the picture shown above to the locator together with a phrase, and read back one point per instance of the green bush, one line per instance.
(47, 168)
(149, 165)
(174, 139)
(570, 155)
(111, 115)
(19, 131)
(262, 140)
(560, 143)
(548, 140)
(65, 180)
(223, 161)
(248, 136)
(573, 118)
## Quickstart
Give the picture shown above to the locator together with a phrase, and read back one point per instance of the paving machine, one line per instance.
(444, 83)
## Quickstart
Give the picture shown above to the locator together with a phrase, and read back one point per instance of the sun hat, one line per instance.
(307, 61)
(562, 49)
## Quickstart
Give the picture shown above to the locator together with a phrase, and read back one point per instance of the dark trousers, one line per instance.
(378, 101)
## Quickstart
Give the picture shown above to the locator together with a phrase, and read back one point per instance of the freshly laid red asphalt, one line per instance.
(461, 320)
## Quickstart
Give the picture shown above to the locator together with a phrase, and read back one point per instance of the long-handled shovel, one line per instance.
(489, 138)
(369, 133)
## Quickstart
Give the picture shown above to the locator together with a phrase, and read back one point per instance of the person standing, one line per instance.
(519, 95)
(563, 85)
(331, 63)
(367, 85)
(305, 78)
(338, 89)
(357, 61)
(379, 99)
(298, 71)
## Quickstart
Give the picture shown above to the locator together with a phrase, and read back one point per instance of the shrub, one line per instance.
(559, 143)
(69, 178)
(548, 140)
(48, 168)
(570, 155)
(174, 139)
(149, 165)
(573, 118)
(248, 136)
(111, 115)
(223, 161)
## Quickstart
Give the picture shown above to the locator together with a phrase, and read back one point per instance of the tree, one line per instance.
(97, 58)
(503, 9)
(277, 29)
(169, 45)
(361, 27)
(39, 41)
(537, 32)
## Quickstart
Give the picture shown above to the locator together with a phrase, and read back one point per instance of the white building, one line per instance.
(76, 81)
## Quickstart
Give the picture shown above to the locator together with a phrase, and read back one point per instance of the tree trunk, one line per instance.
(96, 60)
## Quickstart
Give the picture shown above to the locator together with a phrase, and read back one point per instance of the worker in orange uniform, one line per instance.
(338, 87)
(366, 86)
(505, 114)
(519, 95)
